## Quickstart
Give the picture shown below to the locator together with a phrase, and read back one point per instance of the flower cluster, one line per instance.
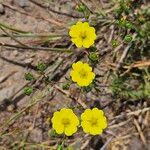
(93, 121)
(65, 121)
(82, 35)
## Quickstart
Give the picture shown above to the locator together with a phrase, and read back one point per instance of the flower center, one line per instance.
(83, 74)
(65, 121)
(83, 35)
(93, 122)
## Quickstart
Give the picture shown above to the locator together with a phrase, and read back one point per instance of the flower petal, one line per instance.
(58, 127)
(77, 65)
(98, 113)
(83, 82)
(87, 67)
(74, 75)
(87, 42)
(96, 130)
(77, 41)
(86, 126)
(86, 115)
(70, 130)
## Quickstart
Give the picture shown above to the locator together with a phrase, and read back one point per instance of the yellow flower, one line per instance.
(65, 121)
(82, 34)
(82, 73)
(93, 121)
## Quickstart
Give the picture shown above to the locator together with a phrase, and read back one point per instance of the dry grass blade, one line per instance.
(140, 132)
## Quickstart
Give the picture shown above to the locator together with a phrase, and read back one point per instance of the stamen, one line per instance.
(65, 121)
(93, 122)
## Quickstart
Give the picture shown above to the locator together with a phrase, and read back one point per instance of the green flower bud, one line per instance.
(114, 43)
(52, 133)
(28, 90)
(128, 38)
(128, 25)
(29, 76)
(41, 67)
(92, 49)
(88, 88)
(65, 86)
(93, 57)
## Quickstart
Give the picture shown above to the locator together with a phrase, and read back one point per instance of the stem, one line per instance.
(9, 35)
(12, 28)
(34, 35)
(36, 48)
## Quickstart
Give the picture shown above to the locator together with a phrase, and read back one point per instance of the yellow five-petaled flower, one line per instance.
(93, 121)
(65, 121)
(82, 73)
(82, 35)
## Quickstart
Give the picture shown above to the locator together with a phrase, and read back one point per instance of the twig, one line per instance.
(111, 34)
(2, 79)
(107, 142)
(85, 144)
(54, 11)
(140, 132)
(118, 48)
(125, 52)
(146, 119)
(139, 64)
(118, 138)
(13, 29)
(13, 37)
(34, 119)
(24, 65)
(99, 7)
(132, 113)
(68, 95)
(135, 65)
(119, 124)
(84, 3)
(102, 4)
(25, 13)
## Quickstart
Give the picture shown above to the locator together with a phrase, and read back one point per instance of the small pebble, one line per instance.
(15, 53)
(10, 108)
(28, 61)
(23, 3)
(2, 11)
(36, 135)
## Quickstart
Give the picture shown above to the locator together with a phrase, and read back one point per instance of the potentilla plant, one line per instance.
(92, 121)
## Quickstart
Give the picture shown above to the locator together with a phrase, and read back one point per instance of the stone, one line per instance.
(23, 3)
(2, 10)
(36, 135)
